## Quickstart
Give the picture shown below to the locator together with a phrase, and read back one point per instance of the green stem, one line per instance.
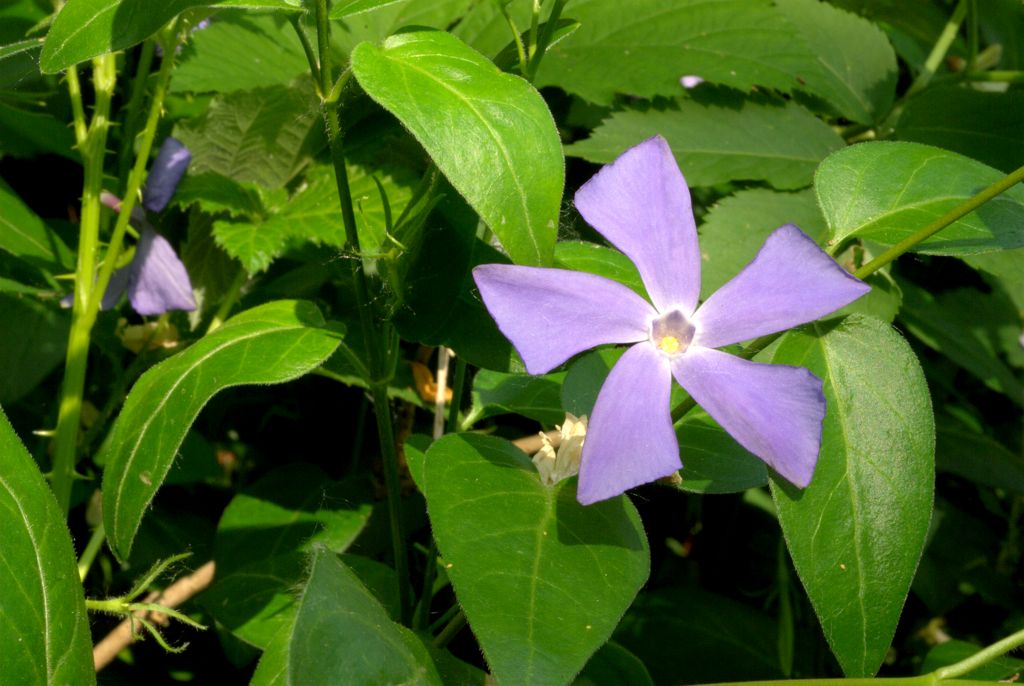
(517, 39)
(458, 383)
(939, 50)
(534, 34)
(93, 149)
(323, 41)
(114, 606)
(951, 672)
(134, 108)
(307, 47)
(1006, 76)
(544, 41)
(942, 222)
(226, 305)
(92, 548)
(77, 109)
(452, 628)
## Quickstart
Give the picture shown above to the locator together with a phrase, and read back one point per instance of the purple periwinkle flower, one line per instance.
(164, 176)
(641, 204)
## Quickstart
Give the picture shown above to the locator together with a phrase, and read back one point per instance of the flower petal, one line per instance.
(790, 282)
(159, 281)
(552, 314)
(165, 174)
(641, 204)
(630, 440)
(116, 287)
(773, 410)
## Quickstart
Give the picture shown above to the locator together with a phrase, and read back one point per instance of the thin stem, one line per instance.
(458, 385)
(517, 39)
(451, 629)
(534, 34)
(226, 305)
(544, 42)
(981, 657)
(307, 47)
(439, 390)
(77, 109)
(972, 36)
(1006, 76)
(939, 50)
(93, 150)
(92, 548)
(134, 109)
(942, 222)
(323, 41)
(389, 458)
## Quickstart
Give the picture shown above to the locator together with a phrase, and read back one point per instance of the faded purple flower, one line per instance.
(165, 175)
(641, 204)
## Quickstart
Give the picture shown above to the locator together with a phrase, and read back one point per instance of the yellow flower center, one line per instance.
(669, 344)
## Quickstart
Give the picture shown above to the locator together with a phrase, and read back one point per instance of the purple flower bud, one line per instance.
(165, 174)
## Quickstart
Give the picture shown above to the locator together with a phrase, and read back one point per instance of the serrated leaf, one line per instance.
(214, 193)
(736, 227)
(87, 28)
(854, 67)
(489, 133)
(719, 143)
(341, 635)
(531, 567)
(856, 533)
(272, 343)
(263, 136)
(886, 191)
(643, 47)
(45, 631)
(536, 397)
(981, 125)
(261, 540)
(239, 51)
(966, 326)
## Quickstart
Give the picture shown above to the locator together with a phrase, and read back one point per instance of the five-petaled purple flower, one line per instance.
(641, 204)
(156, 280)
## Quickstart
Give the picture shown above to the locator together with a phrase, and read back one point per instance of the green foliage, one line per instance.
(45, 631)
(288, 338)
(857, 532)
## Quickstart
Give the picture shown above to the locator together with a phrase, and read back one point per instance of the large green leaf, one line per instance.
(713, 462)
(263, 136)
(857, 532)
(855, 68)
(536, 397)
(720, 143)
(272, 343)
(543, 580)
(886, 191)
(391, 18)
(87, 28)
(347, 8)
(262, 541)
(45, 632)
(24, 235)
(239, 51)
(981, 125)
(342, 635)
(490, 133)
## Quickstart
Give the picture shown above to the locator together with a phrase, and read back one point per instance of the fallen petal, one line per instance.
(630, 440)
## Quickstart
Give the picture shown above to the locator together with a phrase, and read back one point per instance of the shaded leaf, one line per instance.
(45, 631)
(714, 143)
(973, 455)
(543, 580)
(33, 341)
(601, 260)
(713, 462)
(857, 532)
(25, 236)
(272, 343)
(536, 397)
(953, 651)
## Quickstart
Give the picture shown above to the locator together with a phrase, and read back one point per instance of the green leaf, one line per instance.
(953, 651)
(856, 67)
(536, 397)
(981, 125)
(24, 133)
(713, 462)
(643, 47)
(886, 191)
(45, 632)
(260, 540)
(966, 326)
(239, 51)
(613, 665)
(342, 635)
(543, 580)
(33, 341)
(489, 133)
(601, 260)
(857, 532)
(215, 193)
(19, 61)
(719, 143)
(347, 8)
(1002, 269)
(377, 25)
(263, 136)
(87, 28)
(710, 638)
(737, 226)
(272, 343)
(973, 455)
(24, 235)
